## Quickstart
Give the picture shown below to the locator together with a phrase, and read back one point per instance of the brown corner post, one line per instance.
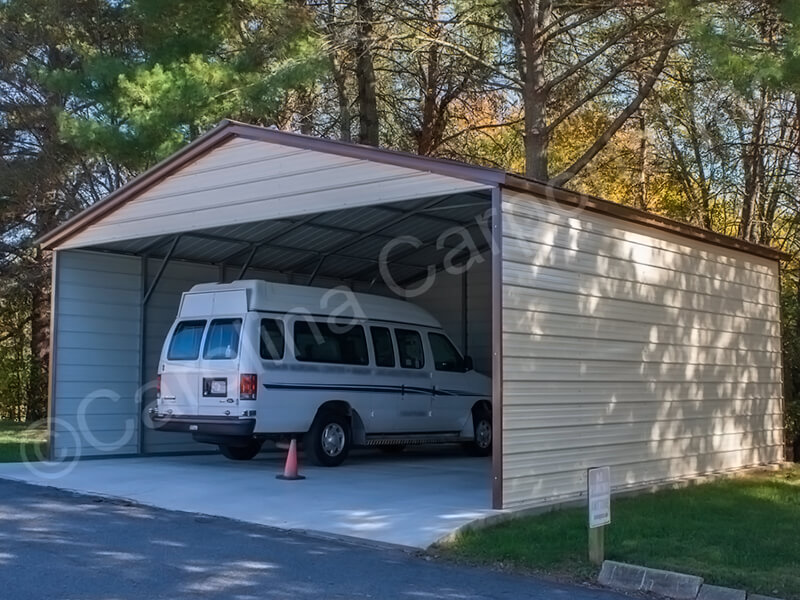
(497, 348)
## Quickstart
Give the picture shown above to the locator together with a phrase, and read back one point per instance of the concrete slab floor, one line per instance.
(412, 499)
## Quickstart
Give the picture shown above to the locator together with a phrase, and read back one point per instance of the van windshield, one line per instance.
(222, 341)
(185, 343)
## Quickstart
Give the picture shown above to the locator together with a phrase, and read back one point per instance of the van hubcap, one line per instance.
(483, 434)
(333, 439)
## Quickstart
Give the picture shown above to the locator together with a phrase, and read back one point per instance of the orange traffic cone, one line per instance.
(290, 470)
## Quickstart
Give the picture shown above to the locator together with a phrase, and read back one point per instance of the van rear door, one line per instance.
(180, 377)
(219, 368)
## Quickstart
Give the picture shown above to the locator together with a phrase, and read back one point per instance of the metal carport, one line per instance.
(570, 302)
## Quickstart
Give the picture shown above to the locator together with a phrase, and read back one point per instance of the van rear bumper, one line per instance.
(233, 426)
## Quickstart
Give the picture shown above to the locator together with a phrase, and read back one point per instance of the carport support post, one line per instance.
(143, 331)
(497, 347)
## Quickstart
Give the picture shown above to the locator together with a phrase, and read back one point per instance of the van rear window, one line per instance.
(315, 341)
(185, 343)
(222, 341)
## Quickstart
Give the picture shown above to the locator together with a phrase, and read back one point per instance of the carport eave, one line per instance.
(635, 215)
(228, 129)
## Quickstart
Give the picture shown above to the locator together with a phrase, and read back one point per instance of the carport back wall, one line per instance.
(462, 302)
(630, 347)
(96, 354)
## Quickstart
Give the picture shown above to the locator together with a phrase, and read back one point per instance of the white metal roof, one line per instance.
(309, 300)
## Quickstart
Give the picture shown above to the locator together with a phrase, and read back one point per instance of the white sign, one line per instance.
(599, 496)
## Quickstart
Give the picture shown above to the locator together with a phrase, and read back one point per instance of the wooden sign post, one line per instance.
(599, 492)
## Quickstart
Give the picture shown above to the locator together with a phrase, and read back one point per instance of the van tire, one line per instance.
(481, 419)
(240, 452)
(330, 432)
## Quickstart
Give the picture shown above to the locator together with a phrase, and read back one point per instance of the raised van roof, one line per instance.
(301, 299)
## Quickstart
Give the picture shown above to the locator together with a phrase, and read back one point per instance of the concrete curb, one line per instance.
(679, 586)
(632, 578)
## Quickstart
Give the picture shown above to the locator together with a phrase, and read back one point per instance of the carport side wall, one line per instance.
(96, 354)
(657, 355)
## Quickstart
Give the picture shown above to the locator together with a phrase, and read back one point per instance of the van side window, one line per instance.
(185, 343)
(382, 345)
(409, 345)
(222, 340)
(271, 339)
(315, 341)
(445, 355)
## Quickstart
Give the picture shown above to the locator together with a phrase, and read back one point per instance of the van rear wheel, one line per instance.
(240, 452)
(328, 441)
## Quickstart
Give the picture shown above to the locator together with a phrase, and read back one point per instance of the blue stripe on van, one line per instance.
(369, 388)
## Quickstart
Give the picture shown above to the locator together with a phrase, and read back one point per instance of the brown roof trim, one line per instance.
(641, 217)
(228, 129)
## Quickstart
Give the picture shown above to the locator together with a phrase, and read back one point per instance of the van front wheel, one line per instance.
(240, 452)
(328, 441)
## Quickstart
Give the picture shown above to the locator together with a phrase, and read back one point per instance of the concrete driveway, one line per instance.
(412, 499)
(62, 546)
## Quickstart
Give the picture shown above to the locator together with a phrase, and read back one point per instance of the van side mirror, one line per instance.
(468, 364)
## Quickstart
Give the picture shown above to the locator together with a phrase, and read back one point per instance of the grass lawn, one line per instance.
(741, 532)
(17, 437)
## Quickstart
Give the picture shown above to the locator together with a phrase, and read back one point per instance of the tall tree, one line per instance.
(43, 179)
(567, 54)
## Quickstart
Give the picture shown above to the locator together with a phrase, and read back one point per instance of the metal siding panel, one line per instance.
(96, 353)
(629, 347)
(647, 314)
(596, 328)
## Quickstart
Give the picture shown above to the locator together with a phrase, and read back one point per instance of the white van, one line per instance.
(249, 361)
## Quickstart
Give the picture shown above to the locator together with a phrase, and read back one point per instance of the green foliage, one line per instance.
(185, 66)
(15, 352)
(790, 307)
(753, 44)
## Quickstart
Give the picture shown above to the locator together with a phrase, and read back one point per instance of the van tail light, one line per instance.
(248, 383)
(158, 387)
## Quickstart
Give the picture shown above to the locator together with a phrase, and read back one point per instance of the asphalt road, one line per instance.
(55, 545)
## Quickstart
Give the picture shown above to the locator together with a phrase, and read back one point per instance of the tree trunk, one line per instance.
(305, 110)
(368, 128)
(753, 172)
(345, 122)
(641, 192)
(531, 18)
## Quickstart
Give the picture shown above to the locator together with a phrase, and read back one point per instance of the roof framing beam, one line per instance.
(367, 234)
